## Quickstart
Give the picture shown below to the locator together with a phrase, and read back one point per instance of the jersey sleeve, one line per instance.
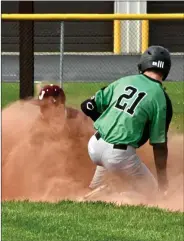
(103, 97)
(158, 130)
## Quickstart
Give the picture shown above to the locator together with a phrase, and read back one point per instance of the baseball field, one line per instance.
(100, 221)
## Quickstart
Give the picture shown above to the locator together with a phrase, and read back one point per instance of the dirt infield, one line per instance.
(47, 159)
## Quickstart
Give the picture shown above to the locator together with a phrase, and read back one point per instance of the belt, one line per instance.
(115, 146)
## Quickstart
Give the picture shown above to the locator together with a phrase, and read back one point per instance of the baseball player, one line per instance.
(126, 114)
(51, 94)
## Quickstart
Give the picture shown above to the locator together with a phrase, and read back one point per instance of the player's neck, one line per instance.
(153, 75)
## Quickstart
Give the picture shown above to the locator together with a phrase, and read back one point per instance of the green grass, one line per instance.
(70, 221)
(77, 92)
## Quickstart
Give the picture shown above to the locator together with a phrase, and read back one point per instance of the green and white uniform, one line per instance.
(128, 106)
(133, 110)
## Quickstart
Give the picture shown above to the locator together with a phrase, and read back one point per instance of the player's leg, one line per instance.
(95, 150)
(98, 177)
(142, 178)
(127, 163)
(121, 162)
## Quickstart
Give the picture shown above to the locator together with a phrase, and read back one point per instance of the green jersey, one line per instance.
(131, 107)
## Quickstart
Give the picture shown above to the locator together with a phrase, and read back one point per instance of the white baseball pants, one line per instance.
(122, 162)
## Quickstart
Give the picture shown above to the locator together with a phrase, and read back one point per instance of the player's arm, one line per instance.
(89, 108)
(160, 151)
(96, 105)
(158, 139)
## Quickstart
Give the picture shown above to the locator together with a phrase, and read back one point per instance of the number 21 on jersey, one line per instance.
(124, 99)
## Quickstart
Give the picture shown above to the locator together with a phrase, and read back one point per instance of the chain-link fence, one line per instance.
(80, 57)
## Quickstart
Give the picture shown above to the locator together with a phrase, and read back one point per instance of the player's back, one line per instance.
(130, 110)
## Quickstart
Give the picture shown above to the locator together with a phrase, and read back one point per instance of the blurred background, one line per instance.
(82, 56)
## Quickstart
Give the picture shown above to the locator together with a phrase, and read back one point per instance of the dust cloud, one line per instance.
(45, 158)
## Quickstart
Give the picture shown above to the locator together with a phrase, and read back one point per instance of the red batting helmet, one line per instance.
(52, 91)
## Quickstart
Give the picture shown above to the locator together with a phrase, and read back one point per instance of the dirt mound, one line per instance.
(47, 159)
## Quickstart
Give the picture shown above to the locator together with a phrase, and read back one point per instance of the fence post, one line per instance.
(145, 35)
(26, 50)
(117, 36)
(61, 54)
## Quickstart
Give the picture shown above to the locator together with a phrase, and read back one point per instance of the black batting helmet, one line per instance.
(155, 58)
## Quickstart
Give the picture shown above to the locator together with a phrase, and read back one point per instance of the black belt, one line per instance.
(115, 146)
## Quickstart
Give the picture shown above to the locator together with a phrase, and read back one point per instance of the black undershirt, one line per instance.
(169, 113)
